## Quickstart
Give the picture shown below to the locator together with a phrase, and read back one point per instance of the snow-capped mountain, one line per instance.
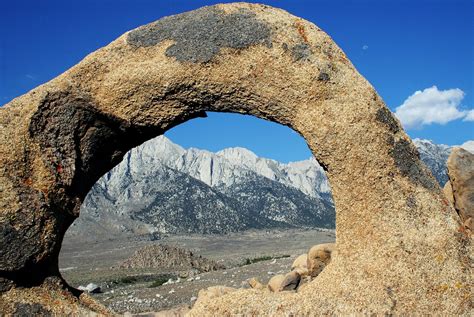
(226, 167)
(160, 187)
(436, 155)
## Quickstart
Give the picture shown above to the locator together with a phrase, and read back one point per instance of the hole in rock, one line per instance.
(214, 201)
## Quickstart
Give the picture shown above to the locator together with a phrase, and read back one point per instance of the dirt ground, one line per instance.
(138, 290)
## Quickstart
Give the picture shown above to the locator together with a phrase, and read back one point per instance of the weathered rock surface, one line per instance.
(212, 293)
(300, 262)
(399, 250)
(284, 282)
(254, 283)
(448, 192)
(274, 284)
(291, 281)
(318, 257)
(461, 180)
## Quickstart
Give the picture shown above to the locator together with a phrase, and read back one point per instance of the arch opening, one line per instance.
(228, 205)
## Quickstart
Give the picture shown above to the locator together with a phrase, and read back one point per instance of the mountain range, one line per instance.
(162, 188)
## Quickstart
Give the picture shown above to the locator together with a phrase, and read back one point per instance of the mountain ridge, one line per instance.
(163, 188)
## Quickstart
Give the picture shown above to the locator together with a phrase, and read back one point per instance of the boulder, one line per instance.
(90, 288)
(281, 282)
(318, 257)
(274, 284)
(461, 177)
(305, 280)
(300, 265)
(254, 283)
(448, 192)
(291, 281)
(300, 261)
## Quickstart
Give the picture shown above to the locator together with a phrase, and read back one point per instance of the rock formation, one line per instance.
(275, 283)
(165, 256)
(254, 283)
(399, 250)
(461, 184)
(318, 258)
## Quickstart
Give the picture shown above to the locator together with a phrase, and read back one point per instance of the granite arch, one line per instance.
(398, 248)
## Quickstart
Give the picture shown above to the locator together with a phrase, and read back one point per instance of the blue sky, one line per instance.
(419, 54)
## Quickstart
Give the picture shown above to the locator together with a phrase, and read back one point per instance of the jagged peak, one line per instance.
(238, 153)
(162, 144)
(423, 143)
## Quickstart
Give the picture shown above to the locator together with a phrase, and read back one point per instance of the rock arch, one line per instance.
(398, 249)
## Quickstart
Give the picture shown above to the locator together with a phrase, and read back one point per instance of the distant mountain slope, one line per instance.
(161, 187)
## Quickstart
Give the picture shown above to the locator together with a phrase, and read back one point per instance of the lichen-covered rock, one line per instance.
(461, 179)
(399, 250)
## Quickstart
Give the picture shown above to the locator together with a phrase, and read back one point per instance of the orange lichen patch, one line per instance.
(465, 231)
(28, 181)
(301, 31)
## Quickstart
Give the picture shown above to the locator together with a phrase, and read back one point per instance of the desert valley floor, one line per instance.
(135, 290)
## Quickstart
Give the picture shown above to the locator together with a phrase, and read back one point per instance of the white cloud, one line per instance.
(30, 76)
(432, 106)
(365, 47)
(469, 116)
